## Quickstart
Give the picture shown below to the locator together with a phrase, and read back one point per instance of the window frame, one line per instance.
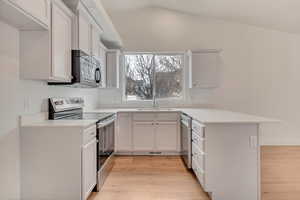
(154, 53)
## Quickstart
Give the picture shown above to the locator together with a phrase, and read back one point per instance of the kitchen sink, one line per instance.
(155, 109)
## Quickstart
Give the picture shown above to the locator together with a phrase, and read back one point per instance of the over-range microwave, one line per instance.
(86, 71)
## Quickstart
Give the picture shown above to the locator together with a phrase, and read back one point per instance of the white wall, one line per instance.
(13, 94)
(261, 67)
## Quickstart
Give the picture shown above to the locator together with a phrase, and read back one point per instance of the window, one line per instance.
(153, 75)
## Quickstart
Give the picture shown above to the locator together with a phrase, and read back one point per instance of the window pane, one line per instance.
(168, 76)
(139, 77)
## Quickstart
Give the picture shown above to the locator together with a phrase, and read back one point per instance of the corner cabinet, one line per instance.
(46, 55)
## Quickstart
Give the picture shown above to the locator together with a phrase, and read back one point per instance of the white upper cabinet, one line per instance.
(61, 41)
(112, 68)
(204, 69)
(46, 55)
(26, 14)
(84, 33)
(88, 32)
(39, 9)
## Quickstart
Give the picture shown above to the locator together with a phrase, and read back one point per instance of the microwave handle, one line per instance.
(97, 75)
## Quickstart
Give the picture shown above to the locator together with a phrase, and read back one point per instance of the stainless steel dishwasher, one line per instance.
(186, 140)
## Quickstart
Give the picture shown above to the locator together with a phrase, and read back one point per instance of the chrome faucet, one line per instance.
(154, 103)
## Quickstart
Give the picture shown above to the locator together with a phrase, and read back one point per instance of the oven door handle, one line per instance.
(106, 123)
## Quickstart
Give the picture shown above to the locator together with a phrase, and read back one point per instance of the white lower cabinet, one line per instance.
(89, 170)
(225, 160)
(166, 136)
(148, 132)
(143, 136)
(58, 162)
(123, 135)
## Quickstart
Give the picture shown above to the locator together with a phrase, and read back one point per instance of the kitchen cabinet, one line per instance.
(26, 14)
(89, 164)
(46, 55)
(39, 9)
(112, 68)
(88, 32)
(59, 162)
(61, 39)
(156, 132)
(148, 132)
(204, 69)
(84, 32)
(226, 154)
(124, 133)
(166, 136)
(143, 136)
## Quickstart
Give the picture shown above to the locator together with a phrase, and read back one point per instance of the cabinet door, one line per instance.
(89, 167)
(205, 69)
(112, 69)
(124, 133)
(95, 39)
(166, 136)
(143, 136)
(39, 9)
(61, 42)
(84, 33)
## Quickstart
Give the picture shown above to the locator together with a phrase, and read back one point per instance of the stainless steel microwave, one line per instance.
(86, 71)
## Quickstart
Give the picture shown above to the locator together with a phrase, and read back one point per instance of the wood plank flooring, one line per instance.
(280, 169)
(150, 178)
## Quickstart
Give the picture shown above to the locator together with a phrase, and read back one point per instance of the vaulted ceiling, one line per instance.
(282, 15)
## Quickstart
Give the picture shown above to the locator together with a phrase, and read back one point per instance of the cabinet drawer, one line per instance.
(198, 141)
(143, 116)
(198, 128)
(199, 157)
(89, 134)
(166, 116)
(199, 173)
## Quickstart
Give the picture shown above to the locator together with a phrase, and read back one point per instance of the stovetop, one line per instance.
(98, 116)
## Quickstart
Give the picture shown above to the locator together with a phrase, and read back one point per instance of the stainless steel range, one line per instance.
(72, 109)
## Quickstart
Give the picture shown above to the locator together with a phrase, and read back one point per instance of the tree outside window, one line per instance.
(149, 75)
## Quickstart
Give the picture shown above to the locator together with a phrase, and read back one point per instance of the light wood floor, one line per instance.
(280, 172)
(150, 178)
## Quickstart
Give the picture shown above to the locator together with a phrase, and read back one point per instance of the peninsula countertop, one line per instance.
(201, 115)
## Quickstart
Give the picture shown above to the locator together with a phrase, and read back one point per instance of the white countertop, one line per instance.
(202, 115)
(62, 123)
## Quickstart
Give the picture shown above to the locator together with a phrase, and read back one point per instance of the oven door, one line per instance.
(106, 144)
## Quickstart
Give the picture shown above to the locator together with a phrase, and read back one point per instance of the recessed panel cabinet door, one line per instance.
(166, 136)
(143, 136)
(85, 34)
(124, 133)
(39, 9)
(61, 42)
(89, 167)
